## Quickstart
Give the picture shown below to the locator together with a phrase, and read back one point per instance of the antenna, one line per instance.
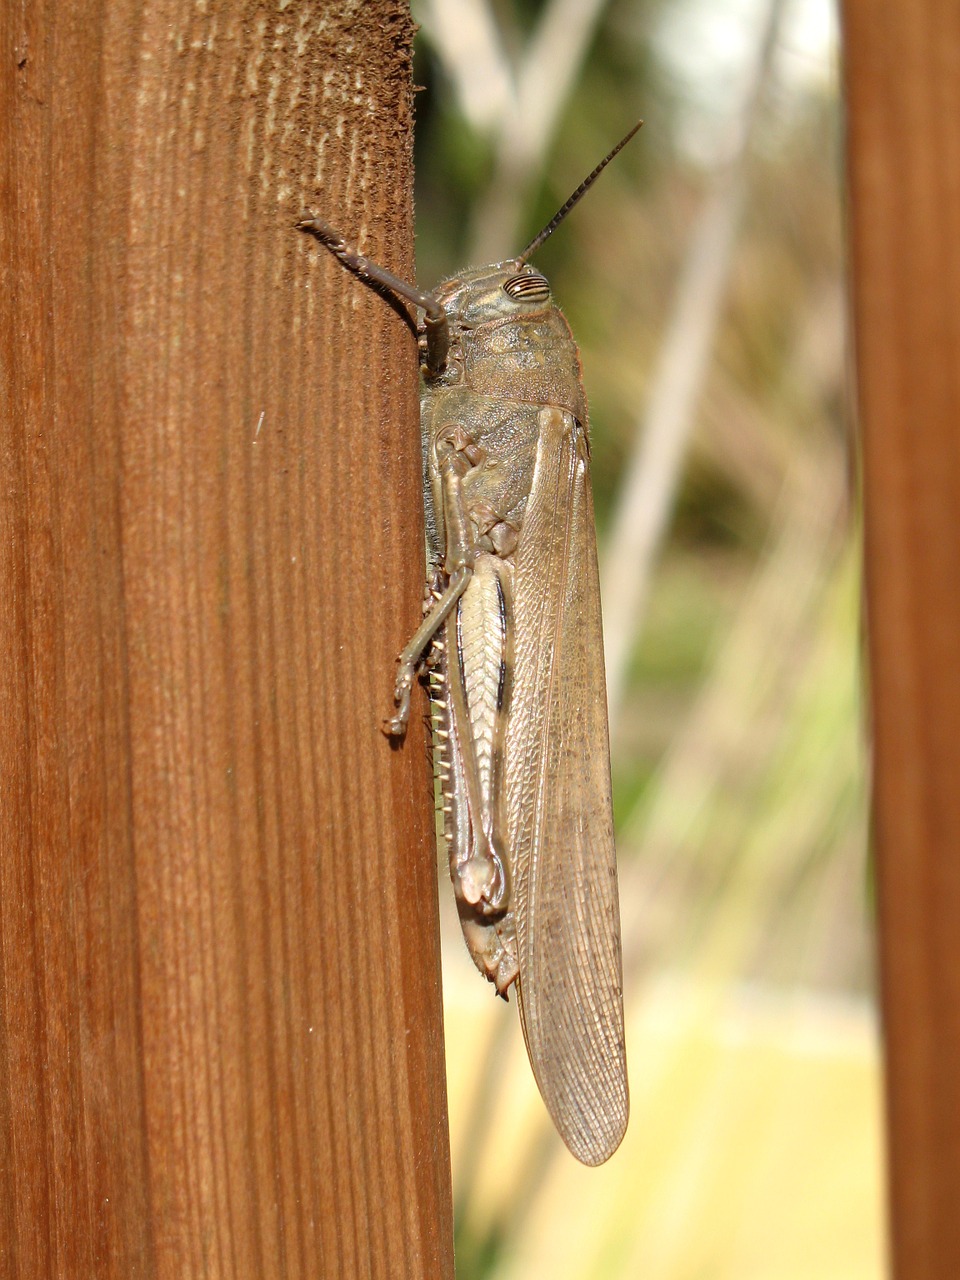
(583, 188)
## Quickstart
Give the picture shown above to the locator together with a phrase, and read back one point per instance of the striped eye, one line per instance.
(529, 286)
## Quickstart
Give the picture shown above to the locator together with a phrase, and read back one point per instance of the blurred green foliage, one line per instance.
(738, 751)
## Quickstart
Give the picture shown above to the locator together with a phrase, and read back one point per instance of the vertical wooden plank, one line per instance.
(220, 1038)
(903, 95)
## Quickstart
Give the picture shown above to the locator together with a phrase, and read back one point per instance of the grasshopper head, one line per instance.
(496, 292)
(502, 291)
(507, 289)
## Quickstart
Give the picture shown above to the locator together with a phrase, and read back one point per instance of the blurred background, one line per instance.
(703, 277)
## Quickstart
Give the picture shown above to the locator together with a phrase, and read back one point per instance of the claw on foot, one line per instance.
(394, 727)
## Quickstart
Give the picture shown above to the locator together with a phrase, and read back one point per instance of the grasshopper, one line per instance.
(511, 642)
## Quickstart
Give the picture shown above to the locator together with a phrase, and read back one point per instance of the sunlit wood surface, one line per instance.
(220, 1041)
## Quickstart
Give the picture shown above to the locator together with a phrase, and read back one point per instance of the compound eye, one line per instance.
(528, 287)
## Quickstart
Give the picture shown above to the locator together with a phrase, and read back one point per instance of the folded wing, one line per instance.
(559, 811)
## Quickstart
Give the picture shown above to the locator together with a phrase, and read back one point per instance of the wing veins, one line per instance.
(568, 934)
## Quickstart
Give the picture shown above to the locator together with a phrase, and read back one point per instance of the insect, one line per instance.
(511, 645)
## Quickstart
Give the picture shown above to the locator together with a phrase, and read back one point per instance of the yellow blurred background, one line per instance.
(704, 280)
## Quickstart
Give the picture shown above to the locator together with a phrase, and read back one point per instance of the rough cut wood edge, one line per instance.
(903, 98)
(220, 1041)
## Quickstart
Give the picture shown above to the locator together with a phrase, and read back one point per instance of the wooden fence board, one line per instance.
(220, 1044)
(903, 100)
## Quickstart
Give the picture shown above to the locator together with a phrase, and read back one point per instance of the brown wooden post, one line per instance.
(220, 1038)
(903, 96)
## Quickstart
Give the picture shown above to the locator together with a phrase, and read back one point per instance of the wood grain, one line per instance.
(220, 1045)
(903, 93)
